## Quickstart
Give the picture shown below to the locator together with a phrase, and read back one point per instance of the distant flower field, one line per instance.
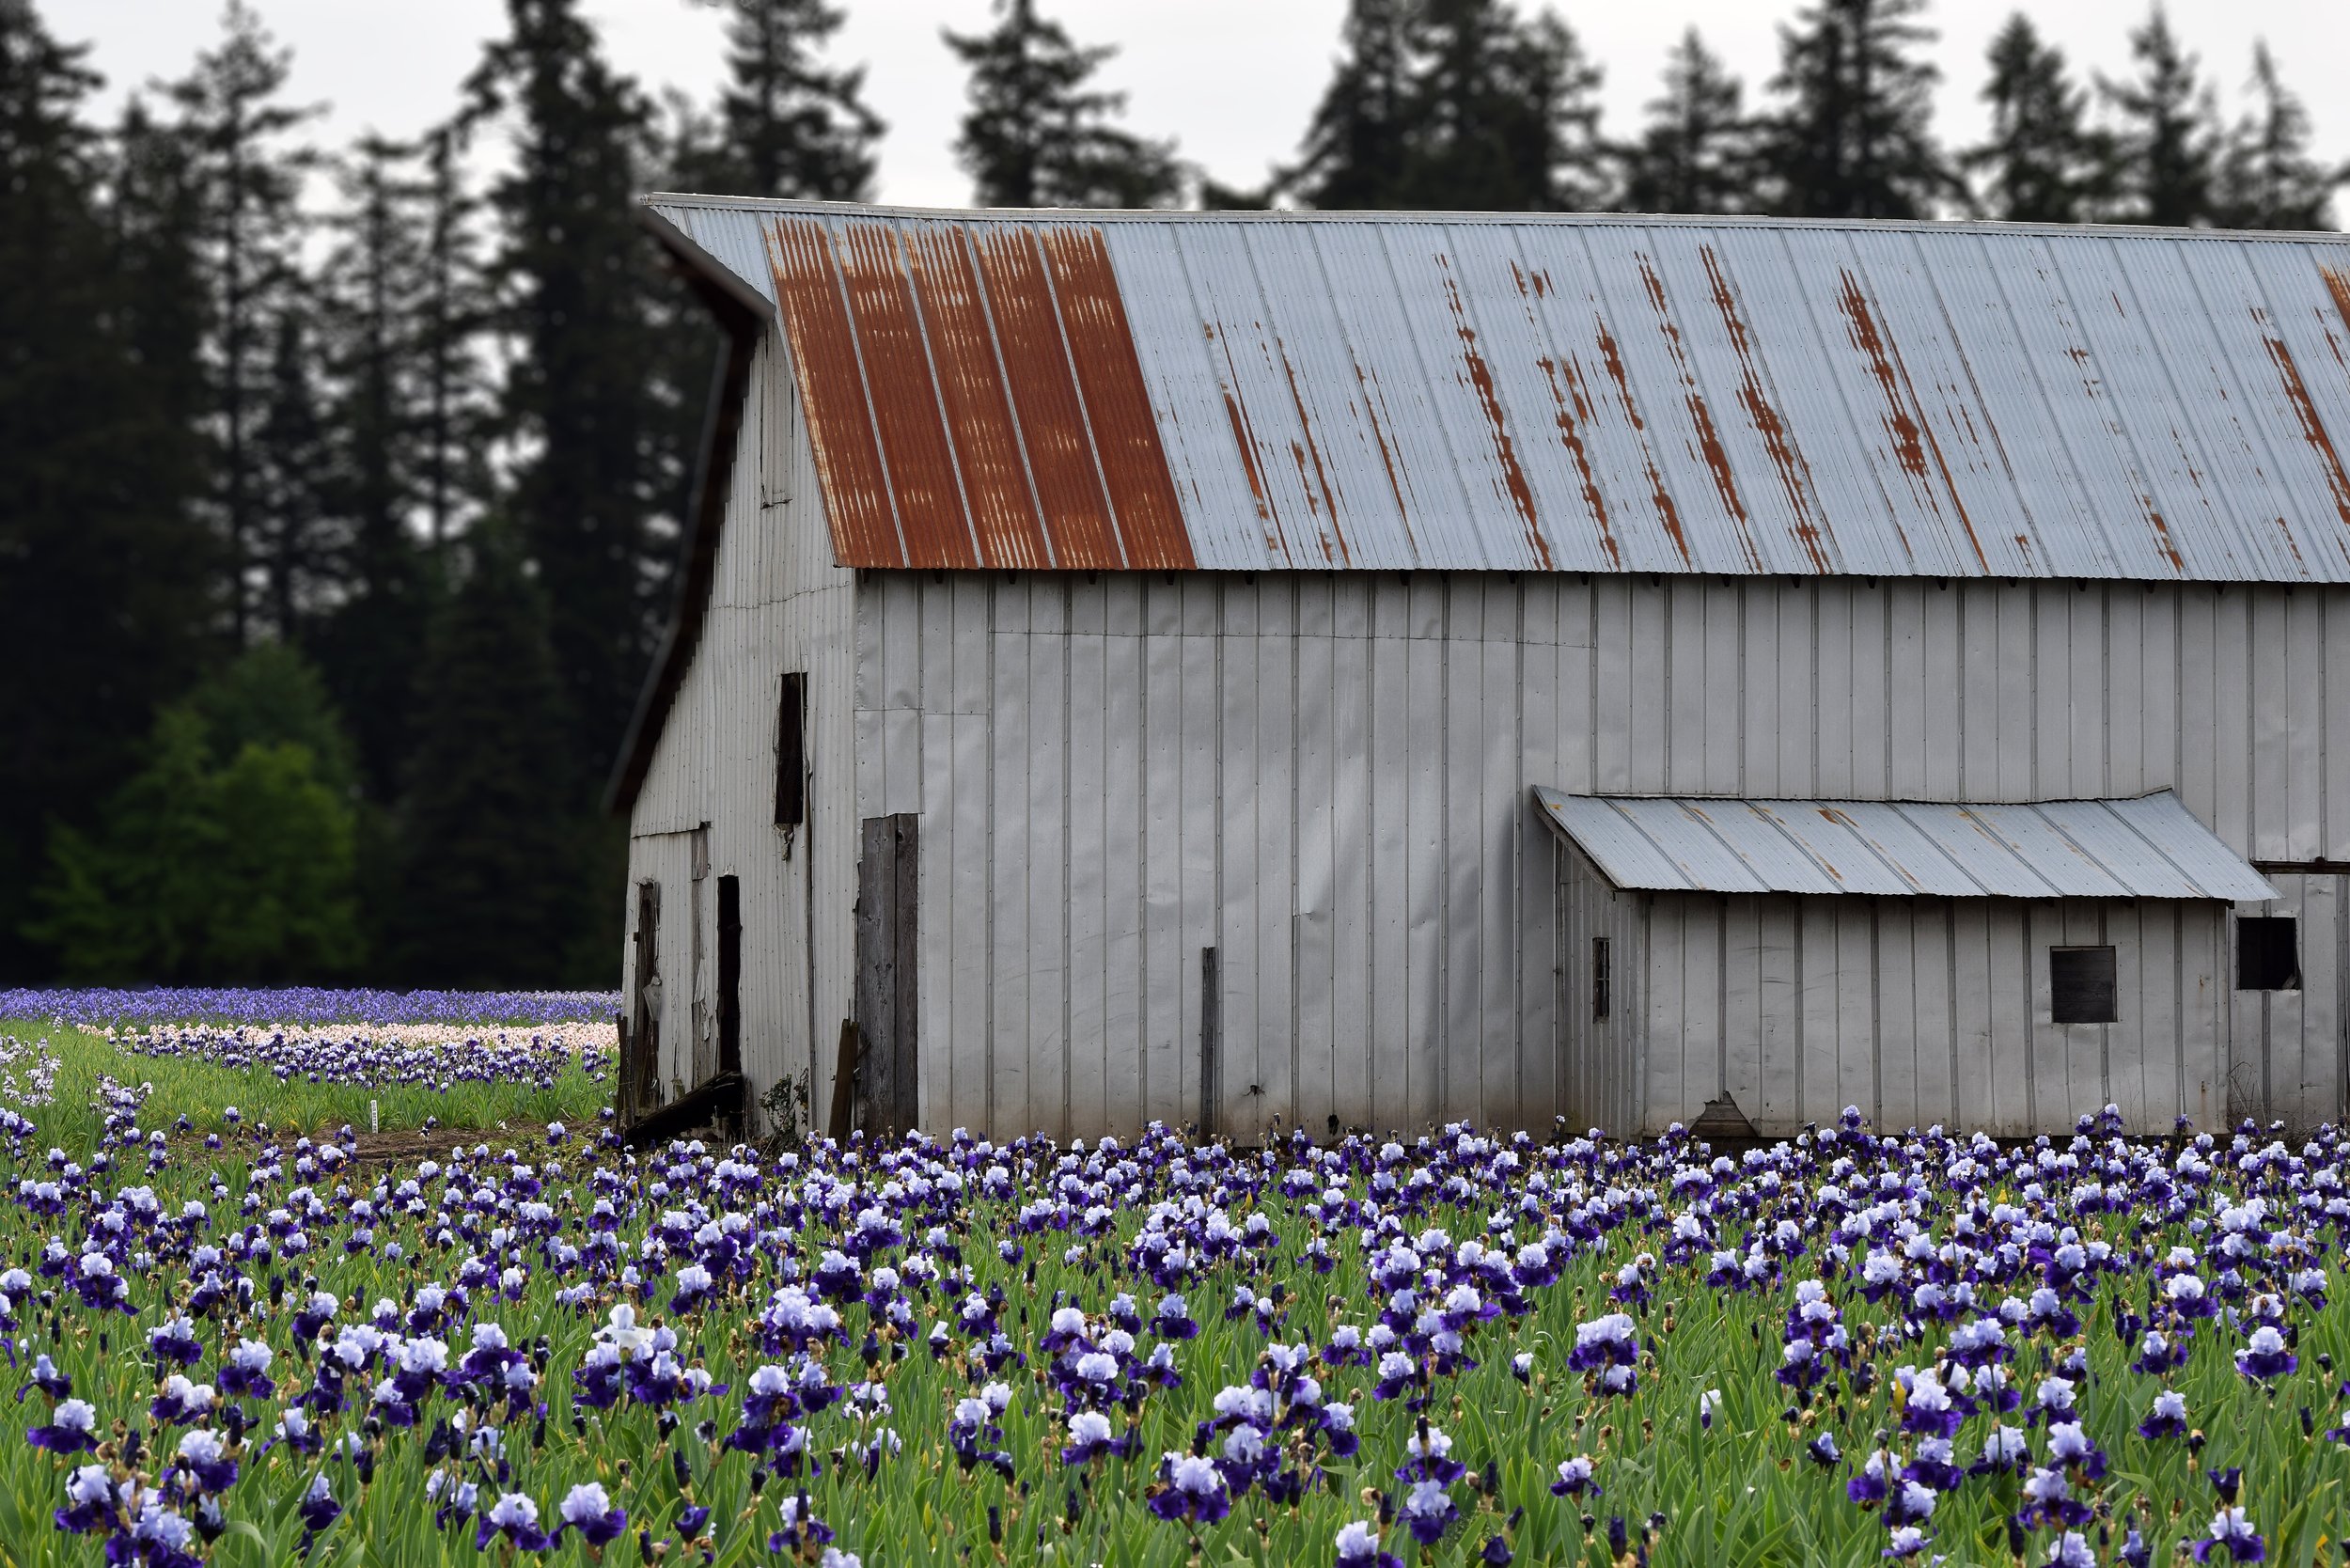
(299, 1006)
(247, 1348)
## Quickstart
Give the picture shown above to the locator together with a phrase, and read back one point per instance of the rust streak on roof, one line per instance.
(2162, 531)
(1567, 400)
(2338, 285)
(1045, 398)
(2312, 426)
(1794, 475)
(979, 410)
(1481, 378)
(832, 390)
(1913, 432)
(1308, 454)
(905, 402)
(1709, 439)
(1143, 503)
(1372, 397)
(1612, 357)
(1571, 404)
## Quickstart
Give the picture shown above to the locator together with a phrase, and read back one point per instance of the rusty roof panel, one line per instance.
(832, 383)
(977, 408)
(903, 395)
(1143, 505)
(1566, 393)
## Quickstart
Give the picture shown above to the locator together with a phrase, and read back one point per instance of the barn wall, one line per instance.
(1325, 777)
(778, 603)
(1601, 1063)
(1925, 1010)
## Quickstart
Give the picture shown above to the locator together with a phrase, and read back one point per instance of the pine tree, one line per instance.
(2169, 144)
(380, 279)
(234, 124)
(453, 312)
(2271, 179)
(102, 577)
(788, 124)
(1361, 134)
(1854, 137)
(489, 855)
(297, 536)
(2040, 163)
(1698, 152)
(1038, 135)
(575, 283)
(1505, 113)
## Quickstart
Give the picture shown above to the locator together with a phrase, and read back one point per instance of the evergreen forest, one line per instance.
(342, 488)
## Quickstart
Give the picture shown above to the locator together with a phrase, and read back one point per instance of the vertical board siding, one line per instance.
(1325, 777)
(778, 603)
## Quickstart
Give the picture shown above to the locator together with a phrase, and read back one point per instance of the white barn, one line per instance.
(1355, 670)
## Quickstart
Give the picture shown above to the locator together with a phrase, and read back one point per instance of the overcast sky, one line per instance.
(1232, 80)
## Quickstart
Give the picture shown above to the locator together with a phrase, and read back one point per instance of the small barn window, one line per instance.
(2268, 953)
(2081, 988)
(1599, 977)
(791, 752)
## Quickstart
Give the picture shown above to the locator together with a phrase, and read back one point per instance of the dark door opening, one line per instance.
(729, 974)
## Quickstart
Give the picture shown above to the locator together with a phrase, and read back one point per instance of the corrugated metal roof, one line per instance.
(2147, 848)
(1564, 393)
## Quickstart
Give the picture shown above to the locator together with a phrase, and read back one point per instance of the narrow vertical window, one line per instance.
(2081, 986)
(1599, 977)
(791, 752)
(2268, 953)
(729, 974)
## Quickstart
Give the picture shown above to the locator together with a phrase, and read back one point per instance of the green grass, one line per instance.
(202, 1092)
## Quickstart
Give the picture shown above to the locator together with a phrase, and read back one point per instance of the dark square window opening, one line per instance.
(1599, 977)
(2267, 953)
(2081, 986)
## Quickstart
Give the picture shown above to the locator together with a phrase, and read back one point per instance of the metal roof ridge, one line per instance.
(1410, 216)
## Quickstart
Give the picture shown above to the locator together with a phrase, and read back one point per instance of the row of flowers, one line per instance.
(1962, 1331)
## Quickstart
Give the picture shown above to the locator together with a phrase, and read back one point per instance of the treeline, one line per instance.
(335, 535)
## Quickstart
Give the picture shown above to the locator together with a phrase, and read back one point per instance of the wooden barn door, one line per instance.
(889, 1099)
(643, 1070)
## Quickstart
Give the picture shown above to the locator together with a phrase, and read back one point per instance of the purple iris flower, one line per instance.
(1192, 1490)
(515, 1517)
(587, 1509)
(1358, 1547)
(70, 1429)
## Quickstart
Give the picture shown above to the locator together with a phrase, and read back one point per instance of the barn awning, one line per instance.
(2151, 847)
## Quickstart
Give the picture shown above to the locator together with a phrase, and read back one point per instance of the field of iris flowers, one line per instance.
(1449, 1348)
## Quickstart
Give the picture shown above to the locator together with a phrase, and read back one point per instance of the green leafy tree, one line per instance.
(228, 857)
(490, 838)
(2168, 142)
(103, 582)
(1038, 134)
(1697, 155)
(2270, 177)
(1852, 135)
(2042, 163)
(788, 124)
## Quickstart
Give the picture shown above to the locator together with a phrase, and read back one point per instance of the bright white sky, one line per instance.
(1232, 80)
